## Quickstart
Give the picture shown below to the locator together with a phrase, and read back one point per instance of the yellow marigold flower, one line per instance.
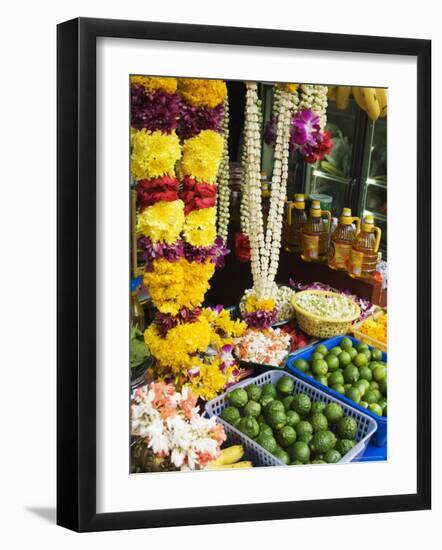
(155, 83)
(224, 323)
(200, 227)
(202, 93)
(202, 155)
(253, 304)
(154, 154)
(288, 87)
(162, 222)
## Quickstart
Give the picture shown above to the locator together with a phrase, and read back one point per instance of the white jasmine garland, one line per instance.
(223, 179)
(314, 97)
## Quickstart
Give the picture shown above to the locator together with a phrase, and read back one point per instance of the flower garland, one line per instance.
(168, 423)
(223, 179)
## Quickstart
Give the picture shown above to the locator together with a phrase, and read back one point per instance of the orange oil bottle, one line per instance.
(342, 240)
(314, 242)
(295, 218)
(364, 252)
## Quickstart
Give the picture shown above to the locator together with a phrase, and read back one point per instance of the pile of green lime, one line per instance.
(355, 371)
(291, 426)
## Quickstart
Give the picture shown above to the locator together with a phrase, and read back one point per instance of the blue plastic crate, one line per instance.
(380, 437)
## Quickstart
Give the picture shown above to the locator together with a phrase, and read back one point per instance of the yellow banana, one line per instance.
(243, 464)
(359, 98)
(229, 456)
(382, 95)
(331, 93)
(371, 101)
(342, 95)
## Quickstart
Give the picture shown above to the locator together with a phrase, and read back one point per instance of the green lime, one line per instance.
(282, 455)
(276, 419)
(336, 350)
(379, 373)
(352, 352)
(383, 386)
(292, 418)
(333, 412)
(319, 367)
(332, 362)
(285, 385)
(367, 354)
(347, 386)
(248, 426)
(363, 404)
(370, 396)
(317, 407)
(265, 400)
(374, 385)
(378, 394)
(322, 379)
(274, 406)
(315, 356)
(354, 394)
(303, 427)
(322, 441)
(346, 343)
(230, 414)
(344, 358)
(374, 364)
(238, 398)
(361, 346)
(301, 404)
(375, 408)
(360, 360)
(347, 427)
(351, 374)
(339, 388)
(376, 354)
(336, 378)
(296, 463)
(306, 438)
(332, 456)
(321, 349)
(253, 408)
(301, 364)
(265, 429)
(319, 422)
(254, 392)
(366, 373)
(286, 436)
(287, 402)
(266, 441)
(300, 451)
(345, 445)
(318, 461)
(269, 389)
(362, 385)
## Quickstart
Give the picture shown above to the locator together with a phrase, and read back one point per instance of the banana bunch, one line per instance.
(230, 458)
(372, 100)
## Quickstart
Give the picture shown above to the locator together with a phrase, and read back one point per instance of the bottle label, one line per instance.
(340, 255)
(311, 246)
(356, 259)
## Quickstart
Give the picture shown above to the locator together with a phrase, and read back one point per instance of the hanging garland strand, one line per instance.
(223, 179)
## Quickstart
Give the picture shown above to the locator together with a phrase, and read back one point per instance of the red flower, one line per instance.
(242, 247)
(197, 195)
(158, 189)
(322, 148)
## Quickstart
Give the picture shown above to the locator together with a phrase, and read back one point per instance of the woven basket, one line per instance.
(323, 327)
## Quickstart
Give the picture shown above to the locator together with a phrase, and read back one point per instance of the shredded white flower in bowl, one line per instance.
(327, 305)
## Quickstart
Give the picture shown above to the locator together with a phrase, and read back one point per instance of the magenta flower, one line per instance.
(195, 119)
(154, 111)
(306, 126)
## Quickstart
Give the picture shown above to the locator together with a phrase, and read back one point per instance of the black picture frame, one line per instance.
(76, 273)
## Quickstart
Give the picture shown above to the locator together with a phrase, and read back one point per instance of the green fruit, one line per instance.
(253, 408)
(363, 404)
(267, 441)
(332, 362)
(322, 441)
(354, 394)
(321, 349)
(317, 407)
(301, 404)
(336, 378)
(352, 352)
(292, 418)
(373, 365)
(276, 419)
(296, 463)
(265, 429)
(249, 426)
(303, 427)
(319, 422)
(360, 360)
(237, 421)
(347, 428)
(361, 385)
(351, 374)
(370, 397)
(361, 347)
(230, 414)
(286, 436)
(378, 394)
(238, 398)
(318, 461)
(346, 343)
(345, 445)
(282, 455)
(300, 451)
(344, 358)
(375, 408)
(319, 367)
(274, 406)
(339, 388)
(366, 373)
(265, 400)
(285, 385)
(315, 357)
(332, 456)
(336, 350)
(322, 380)
(301, 364)
(254, 392)
(333, 412)
(269, 389)
(309, 373)
(383, 386)
(379, 373)
(287, 402)
(347, 386)
(376, 354)
(367, 354)
(374, 385)
(306, 438)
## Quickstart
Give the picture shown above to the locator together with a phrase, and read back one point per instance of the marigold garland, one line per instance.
(199, 227)
(197, 195)
(202, 93)
(158, 189)
(202, 156)
(162, 222)
(154, 154)
(155, 83)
